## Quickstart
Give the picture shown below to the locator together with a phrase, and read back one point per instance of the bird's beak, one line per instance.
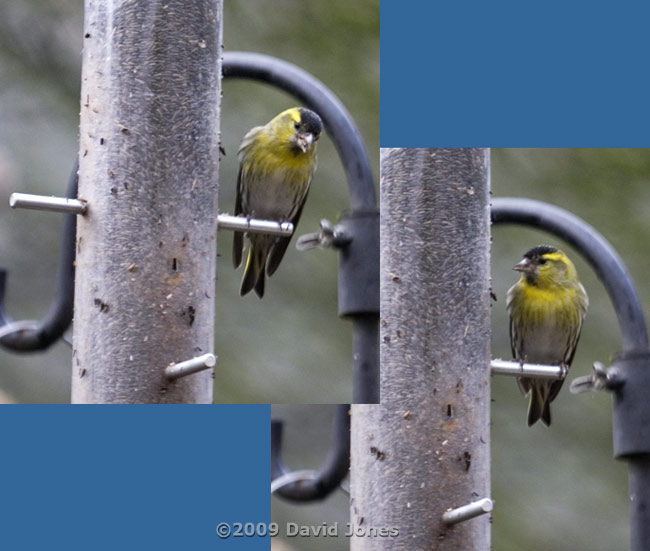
(525, 266)
(305, 141)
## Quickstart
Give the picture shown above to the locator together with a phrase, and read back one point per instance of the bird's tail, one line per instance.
(254, 270)
(540, 405)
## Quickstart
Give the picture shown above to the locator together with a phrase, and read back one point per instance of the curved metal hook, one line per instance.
(59, 317)
(340, 125)
(334, 470)
(597, 251)
(358, 259)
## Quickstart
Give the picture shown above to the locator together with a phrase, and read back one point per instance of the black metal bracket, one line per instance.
(629, 376)
(334, 470)
(59, 317)
(631, 411)
(596, 250)
(358, 265)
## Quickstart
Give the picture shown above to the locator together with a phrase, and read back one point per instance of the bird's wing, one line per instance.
(584, 303)
(281, 244)
(238, 237)
(523, 383)
(575, 337)
(510, 297)
(573, 344)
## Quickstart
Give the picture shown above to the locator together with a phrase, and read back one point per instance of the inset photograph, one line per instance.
(189, 214)
(514, 364)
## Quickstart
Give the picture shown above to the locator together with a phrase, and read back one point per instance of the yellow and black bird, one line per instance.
(547, 307)
(276, 165)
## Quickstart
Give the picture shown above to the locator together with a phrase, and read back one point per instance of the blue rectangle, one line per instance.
(133, 477)
(530, 74)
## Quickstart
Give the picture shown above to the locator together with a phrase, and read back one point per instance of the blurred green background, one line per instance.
(290, 347)
(556, 489)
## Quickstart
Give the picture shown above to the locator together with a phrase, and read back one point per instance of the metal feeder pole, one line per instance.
(149, 157)
(426, 449)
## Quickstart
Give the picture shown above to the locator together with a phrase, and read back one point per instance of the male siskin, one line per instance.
(276, 165)
(547, 307)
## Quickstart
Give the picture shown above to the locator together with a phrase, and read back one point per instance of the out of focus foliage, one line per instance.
(290, 347)
(557, 488)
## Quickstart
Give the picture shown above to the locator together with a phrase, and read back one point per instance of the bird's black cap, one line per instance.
(540, 250)
(310, 121)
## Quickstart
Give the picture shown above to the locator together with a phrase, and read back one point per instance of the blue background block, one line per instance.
(524, 74)
(133, 477)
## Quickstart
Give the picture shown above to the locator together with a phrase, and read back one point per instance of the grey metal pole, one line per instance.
(149, 155)
(426, 448)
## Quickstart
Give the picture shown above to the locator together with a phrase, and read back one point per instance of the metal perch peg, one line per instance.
(517, 369)
(188, 367)
(469, 511)
(78, 206)
(45, 202)
(253, 225)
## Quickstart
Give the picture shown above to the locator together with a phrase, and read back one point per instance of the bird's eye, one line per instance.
(543, 260)
(297, 126)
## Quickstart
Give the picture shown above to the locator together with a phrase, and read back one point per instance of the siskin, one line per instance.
(276, 165)
(546, 306)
